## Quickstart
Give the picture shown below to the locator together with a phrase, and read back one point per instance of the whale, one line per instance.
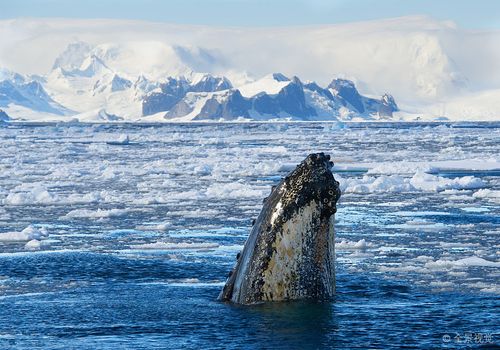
(290, 251)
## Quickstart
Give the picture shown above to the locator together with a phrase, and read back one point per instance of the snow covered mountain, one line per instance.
(4, 116)
(96, 84)
(433, 68)
(173, 90)
(20, 93)
(274, 97)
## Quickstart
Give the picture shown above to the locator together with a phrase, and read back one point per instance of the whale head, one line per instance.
(290, 252)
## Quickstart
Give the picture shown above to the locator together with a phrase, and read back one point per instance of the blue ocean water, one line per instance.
(140, 235)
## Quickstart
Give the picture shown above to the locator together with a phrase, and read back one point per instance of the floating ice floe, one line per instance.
(30, 233)
(419, 223)
(403, 269)
(234, 190)
(195, 213)
(430, 183)
(443, 264)
(441, 284)
(163, 226)
(109, 174)
(193, 282)
(475, 209)
(99, 213)
(171, 246)
(458, 244)
(33, 244)
(37, 193)
(123, 139)
(411, 167)
(398, 168)
(488, 194)
(370, 184)
(420, 181)
(158, 198)
(188, 282)
(486, 287)
(347, 245)
(29, 194)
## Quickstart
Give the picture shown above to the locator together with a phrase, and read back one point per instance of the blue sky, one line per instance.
(466, 13)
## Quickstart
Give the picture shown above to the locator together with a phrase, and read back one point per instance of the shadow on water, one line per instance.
(290, 325)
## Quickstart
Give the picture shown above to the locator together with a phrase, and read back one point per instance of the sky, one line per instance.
(471, 14)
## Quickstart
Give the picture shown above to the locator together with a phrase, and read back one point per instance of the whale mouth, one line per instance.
(289, 253)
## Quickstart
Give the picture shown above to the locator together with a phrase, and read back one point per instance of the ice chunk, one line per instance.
(420, 181)
(170, 246)
(428, 182)
(491, 195)
(361, 244)
(370, 184)
(233, 190)
(123, 139)
(441, 284)
(163, 226)
(34, 244)
(99, 213)
(37, 193)
(29, 233)
(193, 282)
(29, 194)
(442, 264)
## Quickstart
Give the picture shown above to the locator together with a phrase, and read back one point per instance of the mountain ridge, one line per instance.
(433, 68)
(84, 84)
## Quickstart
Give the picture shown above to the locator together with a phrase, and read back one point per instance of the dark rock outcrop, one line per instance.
(387, 106)
(290, 100)
(175, 89)
(233, 106)
(4, 117)
(230, 104)
(349, 96)
(171, 92)
(213, 98)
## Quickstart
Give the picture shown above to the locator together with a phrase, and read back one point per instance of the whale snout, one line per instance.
(290, 251)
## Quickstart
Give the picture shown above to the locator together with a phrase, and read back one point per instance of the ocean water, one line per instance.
(121, 236)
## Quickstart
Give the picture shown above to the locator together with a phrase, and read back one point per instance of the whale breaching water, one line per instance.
(290, 253)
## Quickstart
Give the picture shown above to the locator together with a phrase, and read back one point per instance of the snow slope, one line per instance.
(270, 84)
